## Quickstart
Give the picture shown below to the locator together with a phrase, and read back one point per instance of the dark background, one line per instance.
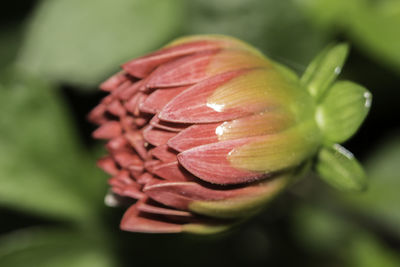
(53, 54)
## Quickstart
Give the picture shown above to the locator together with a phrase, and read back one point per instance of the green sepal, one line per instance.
(324, 69)
(339, 168)
(207, 229)
(342, 111)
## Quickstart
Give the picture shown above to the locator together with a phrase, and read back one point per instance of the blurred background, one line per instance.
(53, 55)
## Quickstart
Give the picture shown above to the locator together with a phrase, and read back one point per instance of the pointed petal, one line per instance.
(210, 163)
(114, 81)
(130, 90)
(142, 66)
(156, 136)
(172, 171)
(183, 71)
(117, 144)
(195, 135)
(191, 106)
(149, 208)
(264, 123)
(274, 152)
(245, 201)
(137, 141)
(159, 98)
(218, 201)
(97, 115)
(135, 221)
(168, 126)
(126, 159)
(163, 153)
(108, 165)
(116, 108)
(108, 130)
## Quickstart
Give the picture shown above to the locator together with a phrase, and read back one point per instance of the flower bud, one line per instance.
(203, 133)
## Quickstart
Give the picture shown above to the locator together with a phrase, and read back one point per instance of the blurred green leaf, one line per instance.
(367, 251)
(42, 167)
(10, 38)
(49, 248)
(83, 41)
(381, 201)
(339, 168)
(278, 28)
(343, 110)
(324, 232)
(374, 25)
(324, 69)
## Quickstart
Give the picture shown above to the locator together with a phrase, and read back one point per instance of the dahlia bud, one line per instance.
(204, 132)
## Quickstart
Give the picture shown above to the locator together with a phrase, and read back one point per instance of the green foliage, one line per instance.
(339, 168)
(381, 200)
(83, 41)
(324, 69)
(343, 110)
(373, 25)
(278, 28)
(43, 169)
(51, 247)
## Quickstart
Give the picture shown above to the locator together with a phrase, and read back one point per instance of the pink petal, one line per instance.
(195, 135)
(126, 159)
(108, 130)
(97, 114)
(157, 137)
(114, 81)
(210, 163)
(116, 108)
(117, 144)
(136, 140)
(133, 220)
(191, 106)
(130, 90)
(141, 67)
(168, 126)
(148, 208)
(183, 71)
(163, 153)
(159, 98)
(108, 165)
(172, 171)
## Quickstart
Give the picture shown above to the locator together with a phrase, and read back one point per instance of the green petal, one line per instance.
(338, 167)
(324, 69)
(243, 206)
(343, 110)
(206, 229)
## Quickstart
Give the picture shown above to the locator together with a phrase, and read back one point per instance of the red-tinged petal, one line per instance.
(168, 126)
(108, 165)
(108, 130)
(116, 108)
(195, 68)
(132, 192)
(210, 163)
(268, 122)
(141, 67)
(191, 106)
(156, 136)
(159, 98)
(149, 208)
(172, 171)
(114, 81)
(126, 159)
(135, 221)
(163, 153)
(183, 71)
(136, 140)
(97, 115)
(195, 135)
(145, 178)
(131, 90)
(127, 123)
